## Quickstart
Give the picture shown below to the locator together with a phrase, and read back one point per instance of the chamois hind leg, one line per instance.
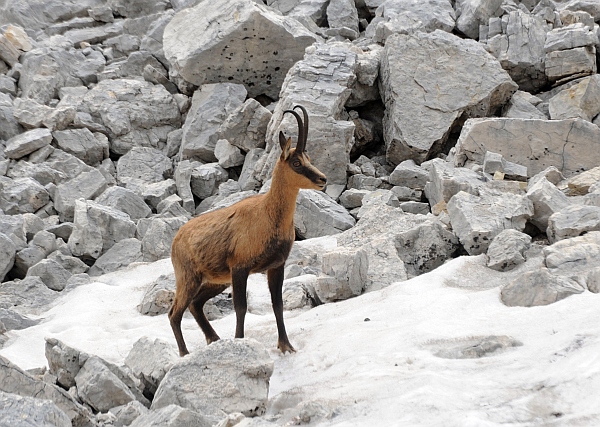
(207, 291)
(185, 291)
(239, 281)
(275, 279)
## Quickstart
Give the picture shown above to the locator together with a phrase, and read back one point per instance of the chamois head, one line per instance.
(306, 175)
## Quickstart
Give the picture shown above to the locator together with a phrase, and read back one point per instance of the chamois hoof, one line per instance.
(286, 347)
(210, 340)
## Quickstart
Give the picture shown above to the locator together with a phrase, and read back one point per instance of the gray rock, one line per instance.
(12, 227)
(507, 250)
(98, 387)
(342, 15)
(318, 215)
(19, 411)
(321, 82)
(246, 126)
(126, 414)
(539, 287)
(54, 275)
(97, 228)
(82, 144)
(9, 126)
(474, 13)
(409, 174)
(152, 40)
(150, 360)
(407, 17)
(520, 107)
(226, 376)
(573, 221)
(143, 163)
(67, 165)
(27, 142)
(30, 293)
(158, 299)
(299, 291)
(520, 49)
(64, 361)
(417, 126)
(156, 242)
(156, 192)
(15, 380)
(70, 263)
(126, 201)
(575, 257)
(183, 176)
(472, 347)
(570, 37)
(573, 62)
(364, 182)
(192, 46)
(14, 321)
(379, 197)
(446, 181)
(122, 254)
(135, 113)
(416, 208)
(535, 144)
(62, 230)
(205, 179)
(581, 100)
(29, 113)
(405, 194)
(477, 220)
(86, 185)
(494, 162)
(228, 155)
(584, 183)
(345, 274)
(547, 200)
(352, 198)
(211, 105)
(32, 224)
(172, 416)
(22, 195)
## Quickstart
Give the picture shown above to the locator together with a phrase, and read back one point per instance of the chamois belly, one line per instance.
(274, 255)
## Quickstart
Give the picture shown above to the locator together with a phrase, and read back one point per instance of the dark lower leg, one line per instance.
(275, 278)
(175, 316)
(240, 303)
(196, 308)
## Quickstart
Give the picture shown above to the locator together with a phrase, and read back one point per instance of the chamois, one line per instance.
(223, 247)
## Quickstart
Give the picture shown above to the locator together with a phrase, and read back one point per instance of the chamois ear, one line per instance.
(285, 144)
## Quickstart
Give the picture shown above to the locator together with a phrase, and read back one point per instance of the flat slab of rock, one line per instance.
(227, 376)
(477, 220)
(573, 221)
(19, 411)
(27, 142)
(539, 287)
(239, 41)
(319, 215)
(425, 95)
(572, 146)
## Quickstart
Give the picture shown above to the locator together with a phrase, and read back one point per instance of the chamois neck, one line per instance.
(281, 197)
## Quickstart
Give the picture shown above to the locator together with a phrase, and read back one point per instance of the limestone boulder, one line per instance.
(246, 126)
(150, 360)
(224, 377)
(547, 200)
(123, 253)
(135, 113)
(507, 250)
(27, 142)
(87, 185)
(82, 144)
(7, 255)
(9, 126)
(126, 201)
(318, 215)
(474, 13)
(345, 274)
(203, 52)
(342, 18)
(144, 164)
(581, 100)
(54, 275)
(97, 228)
(569, 145)
(159, 234)
(19, 411)
(573, 221)
(426, 97)
(445, 181)
(538, 287)
(22, 195)
(30, 293)
(211, 105)
(520, 49)
(563, 64)
(407, 17)
(171, 416)
(159, 296)
(477, 220)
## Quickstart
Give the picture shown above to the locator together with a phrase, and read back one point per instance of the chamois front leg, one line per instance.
(239, 279)
(275, 278)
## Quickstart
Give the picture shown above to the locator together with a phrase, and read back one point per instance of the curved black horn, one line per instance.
(301, 136)
(302, 143)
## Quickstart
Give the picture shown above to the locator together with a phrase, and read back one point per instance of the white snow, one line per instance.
(380, 372)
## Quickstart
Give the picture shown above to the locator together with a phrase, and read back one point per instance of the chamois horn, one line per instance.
(301, 131)
(302, 145)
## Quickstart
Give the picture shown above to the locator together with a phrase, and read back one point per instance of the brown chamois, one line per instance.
(255, 235)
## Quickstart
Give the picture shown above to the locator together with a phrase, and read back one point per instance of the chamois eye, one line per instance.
(296, 163)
